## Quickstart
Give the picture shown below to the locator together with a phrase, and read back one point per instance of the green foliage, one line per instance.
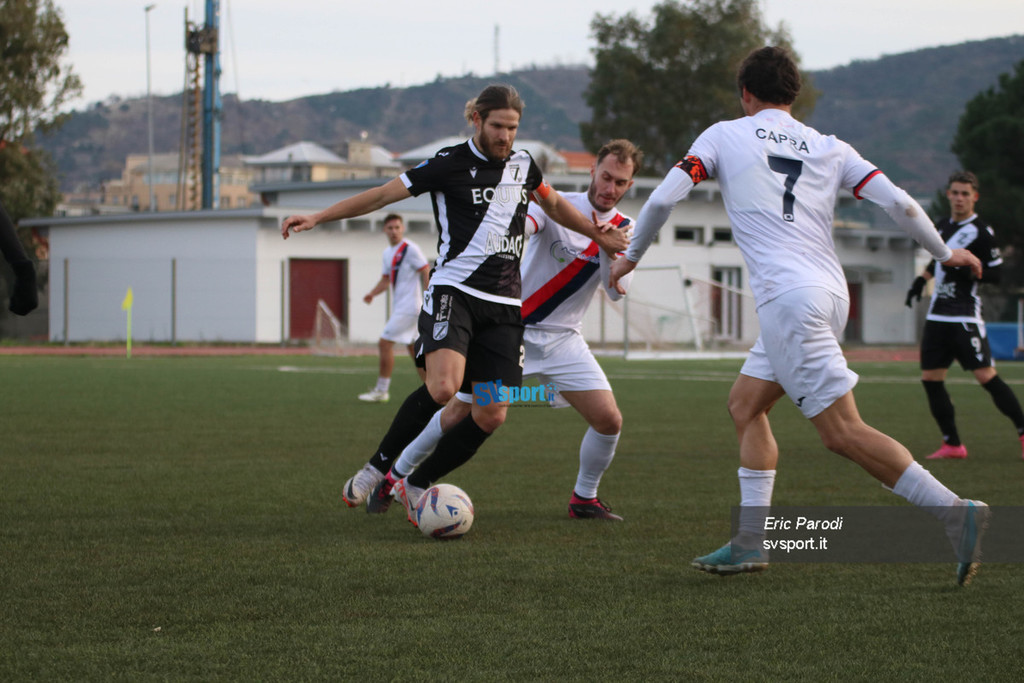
(181, 519)
(660, 82)
(34, 85)
(28, 182)
(989, 141)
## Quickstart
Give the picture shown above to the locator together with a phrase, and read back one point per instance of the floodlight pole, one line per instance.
(211, 108)
(149, 104)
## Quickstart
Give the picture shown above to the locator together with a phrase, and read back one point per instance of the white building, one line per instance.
(229, 276)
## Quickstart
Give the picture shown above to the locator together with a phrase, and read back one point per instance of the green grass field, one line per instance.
(181, 519)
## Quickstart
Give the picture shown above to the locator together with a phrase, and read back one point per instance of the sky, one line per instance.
(284, 49)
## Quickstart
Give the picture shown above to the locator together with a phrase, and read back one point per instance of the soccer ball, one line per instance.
(444, 511)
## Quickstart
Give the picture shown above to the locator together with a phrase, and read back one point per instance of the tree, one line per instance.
(660, 82)
(34, 86)
(989, 141)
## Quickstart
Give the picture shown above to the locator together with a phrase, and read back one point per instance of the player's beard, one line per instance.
(488, 148)
(598, 202)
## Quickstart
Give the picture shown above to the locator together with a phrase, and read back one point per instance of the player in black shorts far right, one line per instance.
(954, 327)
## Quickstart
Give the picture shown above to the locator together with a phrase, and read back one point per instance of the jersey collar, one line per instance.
(475, 151)
(602, 216)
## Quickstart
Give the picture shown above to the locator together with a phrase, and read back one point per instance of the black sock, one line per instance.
(412, 417)
(942, 410)
(454, 449)
(1006, 401)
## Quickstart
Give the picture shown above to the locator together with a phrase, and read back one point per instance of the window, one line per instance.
(721, 235)
(689, 234)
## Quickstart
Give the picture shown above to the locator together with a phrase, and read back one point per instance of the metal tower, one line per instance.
(205, 41)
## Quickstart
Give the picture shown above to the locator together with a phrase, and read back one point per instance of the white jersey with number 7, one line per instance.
(779, 181)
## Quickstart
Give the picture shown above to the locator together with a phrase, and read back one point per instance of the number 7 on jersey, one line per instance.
(791, 168)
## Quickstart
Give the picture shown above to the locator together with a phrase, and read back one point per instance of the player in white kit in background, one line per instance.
(406, 272)
(561, 271)
(779, 181)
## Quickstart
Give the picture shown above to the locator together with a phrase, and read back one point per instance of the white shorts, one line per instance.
(401, 328)
(798, 348)
(561, 358)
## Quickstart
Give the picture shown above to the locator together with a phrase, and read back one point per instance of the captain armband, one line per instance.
(542, 191)
(692, 166)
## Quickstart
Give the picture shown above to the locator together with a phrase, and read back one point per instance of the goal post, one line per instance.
(670, 314)
(659, 318)
(330, 335)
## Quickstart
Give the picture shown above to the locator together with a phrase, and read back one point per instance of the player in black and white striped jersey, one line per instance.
(561, 272)
(954, 327)
(470, 323)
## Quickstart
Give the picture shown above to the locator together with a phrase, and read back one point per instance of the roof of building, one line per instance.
(578, 162)
(304, 152)
(381, 157)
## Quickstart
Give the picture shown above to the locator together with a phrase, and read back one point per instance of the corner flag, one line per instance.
(126, 305)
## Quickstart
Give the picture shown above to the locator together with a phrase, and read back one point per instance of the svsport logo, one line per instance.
(486, 393)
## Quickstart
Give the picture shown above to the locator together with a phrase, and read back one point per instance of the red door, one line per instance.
(310, 280)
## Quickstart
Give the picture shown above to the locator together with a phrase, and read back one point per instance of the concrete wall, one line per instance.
(191, 275)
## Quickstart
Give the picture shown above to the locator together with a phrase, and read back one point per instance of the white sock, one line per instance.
(596, 453)
(420, 448)
(383, 384)
(756, 488)
(919, 487)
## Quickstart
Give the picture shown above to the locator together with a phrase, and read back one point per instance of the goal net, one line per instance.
(668, 314)
(330, 336)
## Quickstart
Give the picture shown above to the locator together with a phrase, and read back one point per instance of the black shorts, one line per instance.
(489, 335)
(942, 343)
(420, 360)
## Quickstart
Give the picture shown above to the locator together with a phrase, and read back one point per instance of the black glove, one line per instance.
(25, 297)
(915, 291)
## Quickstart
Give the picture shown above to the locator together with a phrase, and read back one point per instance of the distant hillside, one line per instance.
(899, 111)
